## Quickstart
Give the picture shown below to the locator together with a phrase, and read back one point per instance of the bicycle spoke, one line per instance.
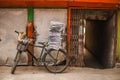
(58, 66)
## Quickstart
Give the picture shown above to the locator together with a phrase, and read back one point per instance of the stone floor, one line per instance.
(72, 73)
(92, 71)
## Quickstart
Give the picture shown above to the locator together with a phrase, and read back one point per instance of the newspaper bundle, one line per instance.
(54, 39)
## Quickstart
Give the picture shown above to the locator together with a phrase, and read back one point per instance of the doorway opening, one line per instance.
(93, 38)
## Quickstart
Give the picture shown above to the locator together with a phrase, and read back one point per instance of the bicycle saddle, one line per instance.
(43, 43)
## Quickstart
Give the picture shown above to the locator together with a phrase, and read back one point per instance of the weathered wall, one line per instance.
(100, 39)
(11, 20)
(42, 18)
(16, 19)
(118, 38)
(108, 58)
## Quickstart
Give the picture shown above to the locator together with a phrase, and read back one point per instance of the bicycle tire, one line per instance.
(16, 60)
(57, 66)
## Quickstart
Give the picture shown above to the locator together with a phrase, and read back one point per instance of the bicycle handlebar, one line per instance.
(40, 42)
(16, 32)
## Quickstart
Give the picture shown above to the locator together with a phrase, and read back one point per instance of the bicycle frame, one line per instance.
(43, 49)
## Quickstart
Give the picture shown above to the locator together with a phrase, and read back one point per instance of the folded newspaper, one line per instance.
(54, 39)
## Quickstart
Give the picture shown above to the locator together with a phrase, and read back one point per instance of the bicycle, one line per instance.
(55, 61)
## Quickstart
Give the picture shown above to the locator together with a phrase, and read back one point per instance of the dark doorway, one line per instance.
(98, 44)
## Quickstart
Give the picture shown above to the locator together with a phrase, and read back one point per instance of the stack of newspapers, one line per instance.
(54, 39)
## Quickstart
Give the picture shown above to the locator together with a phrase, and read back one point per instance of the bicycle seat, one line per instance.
(43, 43)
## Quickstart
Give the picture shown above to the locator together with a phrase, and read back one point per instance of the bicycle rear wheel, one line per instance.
(16, 60)
(56, 61)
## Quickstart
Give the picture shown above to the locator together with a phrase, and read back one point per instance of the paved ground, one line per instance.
(72, 73)
(94, 72)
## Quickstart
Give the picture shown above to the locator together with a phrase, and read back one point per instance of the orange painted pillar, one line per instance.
(30, 30)
(68, 30)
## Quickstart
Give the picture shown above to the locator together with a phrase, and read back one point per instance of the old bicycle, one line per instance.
(55, 61)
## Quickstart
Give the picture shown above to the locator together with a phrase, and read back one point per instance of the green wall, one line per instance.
(118, 42)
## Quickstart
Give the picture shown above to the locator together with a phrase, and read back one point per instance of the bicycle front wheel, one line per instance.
(16, 60)
(56, 61)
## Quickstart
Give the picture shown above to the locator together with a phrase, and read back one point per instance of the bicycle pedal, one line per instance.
(40, 64)
(37, 63)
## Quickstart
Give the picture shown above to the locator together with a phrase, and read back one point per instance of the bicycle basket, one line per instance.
(22, 46)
